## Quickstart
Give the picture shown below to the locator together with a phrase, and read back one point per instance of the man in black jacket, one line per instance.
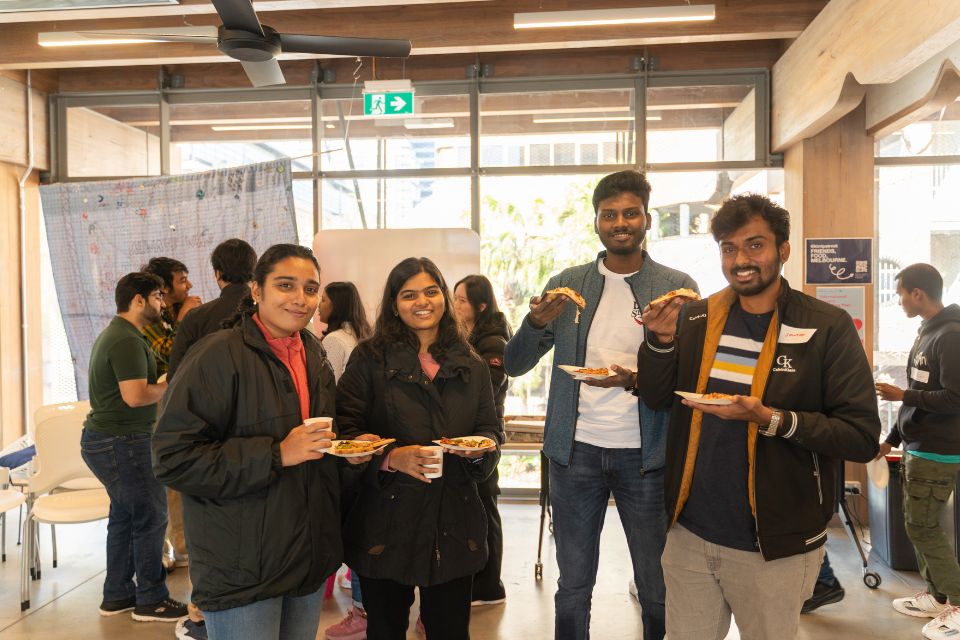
(928, 426)
(750, 469)
(233, 261)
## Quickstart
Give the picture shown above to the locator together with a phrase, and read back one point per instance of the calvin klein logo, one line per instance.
(702, 315)
(784, 365)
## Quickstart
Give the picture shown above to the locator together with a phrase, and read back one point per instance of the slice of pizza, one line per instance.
(716, 395)
(688, 294)
(570, 293)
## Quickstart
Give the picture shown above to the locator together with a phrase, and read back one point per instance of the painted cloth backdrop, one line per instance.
(100, 231)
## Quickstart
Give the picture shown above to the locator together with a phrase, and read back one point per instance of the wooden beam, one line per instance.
(434, 29)
(930, 87)
(852, 43)
(13, 125)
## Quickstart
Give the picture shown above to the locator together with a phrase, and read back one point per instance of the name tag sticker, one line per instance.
(794, 335)
(919, 375)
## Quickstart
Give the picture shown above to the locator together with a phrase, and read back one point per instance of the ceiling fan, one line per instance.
(243, 38)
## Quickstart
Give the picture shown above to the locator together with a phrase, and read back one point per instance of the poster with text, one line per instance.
(851, 300)
(839, 261)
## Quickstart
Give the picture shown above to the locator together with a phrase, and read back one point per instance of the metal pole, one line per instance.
(24, 323)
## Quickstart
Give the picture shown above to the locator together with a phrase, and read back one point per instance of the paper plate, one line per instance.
(572, 370)
(879, 473)
(698, 397)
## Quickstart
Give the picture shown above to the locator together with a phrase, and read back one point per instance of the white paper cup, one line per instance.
(437, 452)
(319, 424)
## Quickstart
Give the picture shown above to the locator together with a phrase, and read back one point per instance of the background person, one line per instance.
(928, 428)
(488, 332)
(115, 444)
(261, 501)
(417, 380)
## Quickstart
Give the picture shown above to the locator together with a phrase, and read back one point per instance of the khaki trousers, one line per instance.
(174, 535)
(707, 582)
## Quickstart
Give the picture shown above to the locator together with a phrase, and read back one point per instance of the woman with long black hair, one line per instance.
(260, 497)
(418, 380)
(342, 311)
(477, 309)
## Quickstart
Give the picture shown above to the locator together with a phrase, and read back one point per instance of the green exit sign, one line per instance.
(388, 103)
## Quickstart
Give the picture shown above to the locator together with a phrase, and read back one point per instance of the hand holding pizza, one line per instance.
(741, 408)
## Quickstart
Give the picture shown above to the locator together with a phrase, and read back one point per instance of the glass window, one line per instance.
(930, 197)
(59, 381)
(395, 203)
(701, 124)
(545, 128)
(435, 137)
(303, 206)
(113, 141)
(214, 136)
(936, 135)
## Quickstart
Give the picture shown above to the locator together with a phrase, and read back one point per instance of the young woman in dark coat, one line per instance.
(260, 498)
(476, 308)
(418, 380)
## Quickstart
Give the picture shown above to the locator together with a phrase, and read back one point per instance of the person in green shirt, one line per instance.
(115, 444)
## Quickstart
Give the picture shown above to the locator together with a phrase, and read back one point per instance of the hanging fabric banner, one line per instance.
(99, 231)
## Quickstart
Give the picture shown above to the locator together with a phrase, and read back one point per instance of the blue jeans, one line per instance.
(284, 618)
(355, 591)
(579, 493)
(826, 571)
(138, 515)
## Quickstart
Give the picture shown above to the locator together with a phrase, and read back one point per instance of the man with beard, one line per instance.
(750, 480)
(116, 446)
(599, 439)
(178, 301)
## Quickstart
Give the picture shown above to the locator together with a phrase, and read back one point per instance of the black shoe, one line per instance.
(823, 594)
(167, 610)
(113, 607)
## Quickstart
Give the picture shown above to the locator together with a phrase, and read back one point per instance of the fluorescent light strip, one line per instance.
(600, 17)
(442, 123)
(125, 36)
(261, 127)
(590, 119)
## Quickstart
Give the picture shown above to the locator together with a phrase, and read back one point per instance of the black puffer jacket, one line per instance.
(399, 528)
(255, 530)
(489, 340)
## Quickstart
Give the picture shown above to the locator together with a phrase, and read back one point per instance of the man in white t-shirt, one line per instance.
(601, 440)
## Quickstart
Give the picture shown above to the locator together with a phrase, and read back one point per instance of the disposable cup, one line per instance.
(437, 452)
(319, 424)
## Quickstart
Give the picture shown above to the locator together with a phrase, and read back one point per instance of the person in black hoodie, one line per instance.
(261, 500)
(418, 380)
(476, 308)
(928, 427)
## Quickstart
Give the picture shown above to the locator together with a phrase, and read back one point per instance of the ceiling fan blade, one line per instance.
(201, 35)
(239, 15)
(264, 74)
(335, 45)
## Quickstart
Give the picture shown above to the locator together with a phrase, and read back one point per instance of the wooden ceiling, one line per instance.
(477, 28)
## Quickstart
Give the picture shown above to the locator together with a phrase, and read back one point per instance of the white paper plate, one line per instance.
(879, 473)
(572, 370)
(453, 447)
(698, 397)
(333, 446)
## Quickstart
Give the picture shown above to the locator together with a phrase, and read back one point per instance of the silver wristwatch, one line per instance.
(771, 428)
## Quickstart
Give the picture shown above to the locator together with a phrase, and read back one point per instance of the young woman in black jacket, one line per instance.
(476, 307)
(418, 380)
(260, 498)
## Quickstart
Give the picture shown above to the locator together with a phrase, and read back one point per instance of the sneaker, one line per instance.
(945, 626)
(187, 629)
(113, 607)
(632, 588)
(494, 597)
(920, 605)
(823, 594)
(167, 610)
(352, 627)
(421, 632)
(480, 602)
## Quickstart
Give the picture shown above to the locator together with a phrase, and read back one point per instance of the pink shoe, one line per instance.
(352, 627)
(421, 632)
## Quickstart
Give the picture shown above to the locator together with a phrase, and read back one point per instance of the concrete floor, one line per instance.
(64, 602)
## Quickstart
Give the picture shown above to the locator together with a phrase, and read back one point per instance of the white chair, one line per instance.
(58, 462)
(9, 498)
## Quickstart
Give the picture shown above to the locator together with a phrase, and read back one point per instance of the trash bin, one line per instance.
(888, 536)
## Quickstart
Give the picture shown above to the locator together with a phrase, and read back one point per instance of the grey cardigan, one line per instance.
(529, 344)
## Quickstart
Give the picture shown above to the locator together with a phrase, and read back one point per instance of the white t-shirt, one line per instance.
(610, 417)
(339, 344)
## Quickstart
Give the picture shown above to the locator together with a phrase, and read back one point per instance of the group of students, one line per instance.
(268, 513)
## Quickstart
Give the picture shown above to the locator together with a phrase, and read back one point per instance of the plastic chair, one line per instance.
(9, 498)
(58, 462)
